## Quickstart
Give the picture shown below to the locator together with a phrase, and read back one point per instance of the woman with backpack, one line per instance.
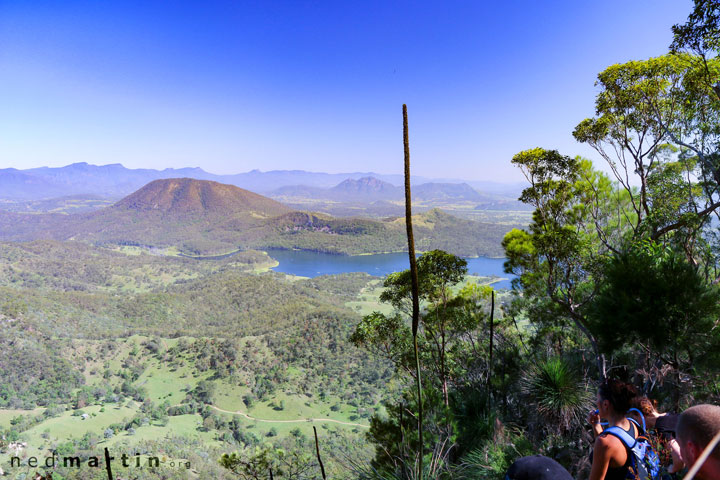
(662, 427)
(612, 458)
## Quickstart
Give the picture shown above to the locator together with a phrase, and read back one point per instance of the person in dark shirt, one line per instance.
(537, 467)
(664, 426)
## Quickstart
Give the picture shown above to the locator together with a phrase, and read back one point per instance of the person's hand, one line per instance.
(677, 462)
(593, 418)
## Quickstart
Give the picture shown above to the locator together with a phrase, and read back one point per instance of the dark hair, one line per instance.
(619, 394)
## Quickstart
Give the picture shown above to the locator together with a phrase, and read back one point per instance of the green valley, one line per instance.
(130, 350)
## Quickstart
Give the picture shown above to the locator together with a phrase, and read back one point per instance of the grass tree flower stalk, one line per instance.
(415, 288)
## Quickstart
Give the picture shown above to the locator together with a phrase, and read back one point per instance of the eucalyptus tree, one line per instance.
(451, 337)
(700, 35)
(657, 125)
(579, 217)
(445, 320)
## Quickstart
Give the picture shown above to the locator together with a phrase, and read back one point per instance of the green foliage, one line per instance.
(454, 344)
(437, 272)
(388, 336)
(33, 370)
(651, 296)
(75, 267)
(203, 392)
(492, 460)
(632, 262)
(219, 233)
(257, 463)
(701, 32)
(557, 258)
(557, 395)
(660, 118)
(254, 335)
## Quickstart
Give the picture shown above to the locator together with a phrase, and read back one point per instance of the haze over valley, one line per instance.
(204, 217)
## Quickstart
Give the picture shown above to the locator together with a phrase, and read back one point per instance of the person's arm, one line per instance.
(601, 459)
(677, 462)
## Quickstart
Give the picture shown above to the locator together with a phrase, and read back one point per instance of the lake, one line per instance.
(313, 264)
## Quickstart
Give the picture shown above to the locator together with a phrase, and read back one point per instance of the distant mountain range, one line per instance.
(376, 197)
(372, 189)
(365, 189)
(116, 181)
(206, 217)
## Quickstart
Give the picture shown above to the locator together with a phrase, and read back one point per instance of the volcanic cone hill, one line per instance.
(197, 216)
(186, 197)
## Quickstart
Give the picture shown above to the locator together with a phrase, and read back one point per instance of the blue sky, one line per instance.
(231, 86)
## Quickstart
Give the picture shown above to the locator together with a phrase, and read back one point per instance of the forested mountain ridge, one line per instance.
(206, 217)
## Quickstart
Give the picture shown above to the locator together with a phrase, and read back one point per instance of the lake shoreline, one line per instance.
(309, 264)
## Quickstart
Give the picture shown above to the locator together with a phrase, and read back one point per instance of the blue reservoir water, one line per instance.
(313, 264)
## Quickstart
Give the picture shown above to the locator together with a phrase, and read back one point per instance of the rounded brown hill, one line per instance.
(183, 196)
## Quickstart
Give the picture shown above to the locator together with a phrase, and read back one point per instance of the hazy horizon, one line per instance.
(258, 170)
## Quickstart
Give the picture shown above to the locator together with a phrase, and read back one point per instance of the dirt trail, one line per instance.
(243, 414)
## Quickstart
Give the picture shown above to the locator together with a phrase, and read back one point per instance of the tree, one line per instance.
(209, 423)
(700, 35)
(443, 318)
(654, 301)
(453, 342)
(204, 392)
(657, 125)
(257, 462)
(557, 258)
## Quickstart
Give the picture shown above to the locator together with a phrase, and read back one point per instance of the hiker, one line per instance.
(664, 426)
(610, 458)
(696, 428)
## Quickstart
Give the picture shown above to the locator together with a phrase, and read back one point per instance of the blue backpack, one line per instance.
(644, 461)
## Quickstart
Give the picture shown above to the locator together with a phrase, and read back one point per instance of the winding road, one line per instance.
(243, 414)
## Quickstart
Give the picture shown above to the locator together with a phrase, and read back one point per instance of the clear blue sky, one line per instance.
(235, 85)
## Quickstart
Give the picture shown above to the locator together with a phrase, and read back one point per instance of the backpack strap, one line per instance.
(642, 417)
(628, 440)
(640, 430)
